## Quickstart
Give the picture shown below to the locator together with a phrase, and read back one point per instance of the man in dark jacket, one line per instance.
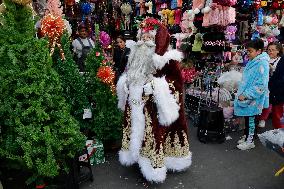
(276, 97)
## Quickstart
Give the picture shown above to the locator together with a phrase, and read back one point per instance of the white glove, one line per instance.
(148, 89)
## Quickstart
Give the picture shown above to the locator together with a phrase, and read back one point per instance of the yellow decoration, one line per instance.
(22, 2)
(279, 172)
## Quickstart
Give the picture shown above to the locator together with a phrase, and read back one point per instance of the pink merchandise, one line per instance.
(178, 16)
(228, 112)
(197, 5)
(214, 18)
(206, 19)
(179, 3)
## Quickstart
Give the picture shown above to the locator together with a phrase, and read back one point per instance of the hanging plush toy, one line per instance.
(260, 17)
(126, 10)
(255, 35)
(281, 23)
(230, 33)
(149, 4)
(275, 4)
(257, 4)
(187, 25)
(207, 7)
(173, 4)
(142, 7)
(171, 17)
(177, 16)
(196, 47)
(197, 5)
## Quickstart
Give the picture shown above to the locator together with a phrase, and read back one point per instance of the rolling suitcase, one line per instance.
(211, 123)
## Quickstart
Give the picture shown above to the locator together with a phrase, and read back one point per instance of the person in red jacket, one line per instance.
(275, 51)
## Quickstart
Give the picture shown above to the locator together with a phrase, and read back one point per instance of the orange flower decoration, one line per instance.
(52, 26)
(106, 74)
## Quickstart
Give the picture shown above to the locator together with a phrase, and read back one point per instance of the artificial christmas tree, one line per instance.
(107, 118)
(73, 84)
(37, 131)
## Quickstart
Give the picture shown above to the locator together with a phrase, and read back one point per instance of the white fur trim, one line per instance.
(152, 174)
(125, 158)
(137, 121)
(178, 163)
(137, 127)
(168, 109)
(121, 93)
(161, 61)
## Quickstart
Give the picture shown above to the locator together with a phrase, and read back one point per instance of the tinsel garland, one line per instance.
(53, 27)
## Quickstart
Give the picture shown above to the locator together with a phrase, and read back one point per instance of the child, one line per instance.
(82, 46)
(252, 95)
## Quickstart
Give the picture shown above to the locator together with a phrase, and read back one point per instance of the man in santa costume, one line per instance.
(150, 92)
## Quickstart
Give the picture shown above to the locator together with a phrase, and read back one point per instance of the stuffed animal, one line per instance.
(281, 23)
(230, 33)
(207, 7)
(237, 58)
(149, 4)
(230, 80)
(126, 10)
(177, 16)
(164, 16)
(196, 47)
(186, 24)
(197, 5)
(173, 4)
(142, 7)
(171, 17)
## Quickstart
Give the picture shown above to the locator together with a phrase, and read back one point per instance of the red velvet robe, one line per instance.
(155, 133)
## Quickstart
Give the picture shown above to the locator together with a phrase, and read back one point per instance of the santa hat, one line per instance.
(157, 29)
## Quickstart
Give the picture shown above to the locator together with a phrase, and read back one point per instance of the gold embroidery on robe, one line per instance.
(175, 148)
(174, 91)
(148, 150)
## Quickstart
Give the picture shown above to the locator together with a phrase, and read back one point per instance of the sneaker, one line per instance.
(246, 145)
(242, 140)
(261, 124)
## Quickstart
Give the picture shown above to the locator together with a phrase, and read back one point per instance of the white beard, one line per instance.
(140, 65)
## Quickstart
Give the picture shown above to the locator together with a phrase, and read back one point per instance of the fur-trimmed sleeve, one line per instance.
(168, 108)
(121, 92)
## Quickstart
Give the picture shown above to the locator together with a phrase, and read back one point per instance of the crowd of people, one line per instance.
(150, 93)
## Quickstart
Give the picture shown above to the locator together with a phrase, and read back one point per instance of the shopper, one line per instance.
(275, 51)
(82, 46)
(252, 95)
(120, 56)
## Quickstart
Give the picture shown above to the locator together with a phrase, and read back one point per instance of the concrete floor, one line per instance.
(215, 166)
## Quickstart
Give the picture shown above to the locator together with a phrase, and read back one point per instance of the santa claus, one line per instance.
(150, 92)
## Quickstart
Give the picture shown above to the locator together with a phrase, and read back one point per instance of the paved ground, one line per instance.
(215, 166)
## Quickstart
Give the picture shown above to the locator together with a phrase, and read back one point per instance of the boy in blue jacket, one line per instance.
(253, 94)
